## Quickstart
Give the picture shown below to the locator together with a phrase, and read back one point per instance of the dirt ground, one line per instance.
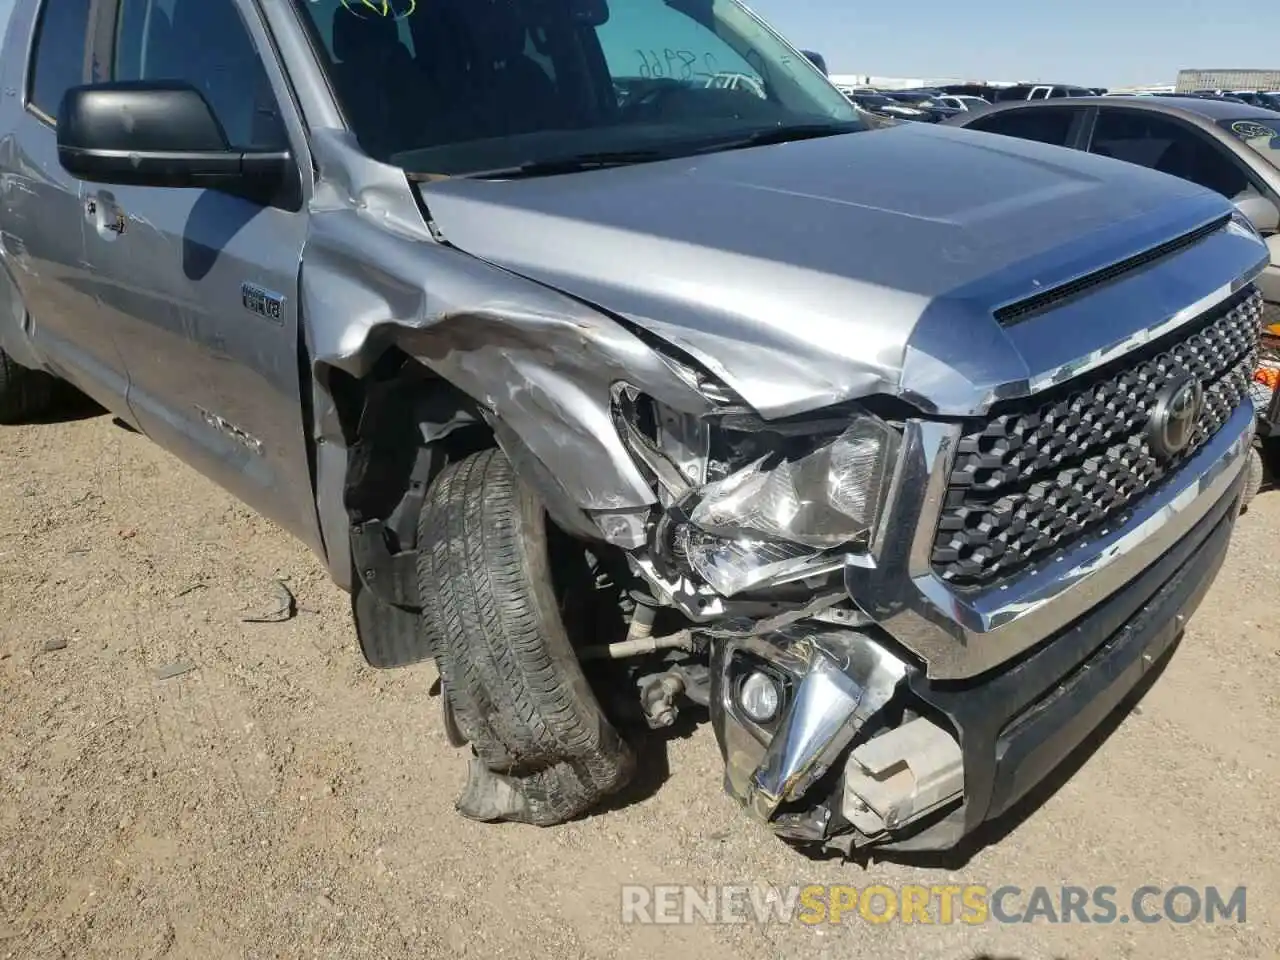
(282, 799)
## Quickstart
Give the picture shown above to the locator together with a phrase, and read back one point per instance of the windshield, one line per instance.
(461, 86)
(1262, 135)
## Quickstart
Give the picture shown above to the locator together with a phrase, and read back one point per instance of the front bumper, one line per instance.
(1013, 724)
(1017, 726)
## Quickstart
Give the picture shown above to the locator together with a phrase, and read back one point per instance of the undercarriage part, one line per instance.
(544, 750)
(902, 775)
(682, 640)
(642, 618)
(697, 681)
(658, 695)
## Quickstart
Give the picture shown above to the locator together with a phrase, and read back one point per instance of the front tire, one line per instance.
(544, 752)
(1254, 474)
(24, 393)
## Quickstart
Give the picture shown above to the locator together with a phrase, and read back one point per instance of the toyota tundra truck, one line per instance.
(615, 362)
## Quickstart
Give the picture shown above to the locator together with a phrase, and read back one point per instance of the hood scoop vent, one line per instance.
(1022, 310)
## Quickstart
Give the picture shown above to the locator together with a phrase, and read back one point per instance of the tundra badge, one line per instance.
(262, 302)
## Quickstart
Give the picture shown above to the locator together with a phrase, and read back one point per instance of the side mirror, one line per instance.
(1261, 212)
(158, 134)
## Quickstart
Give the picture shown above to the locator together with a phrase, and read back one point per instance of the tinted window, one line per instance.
(1168, 146)
(58, 60)
(1044, 125)
(206, 44)
(1013, 93)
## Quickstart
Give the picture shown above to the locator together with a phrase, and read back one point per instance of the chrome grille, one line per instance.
(1042, 473)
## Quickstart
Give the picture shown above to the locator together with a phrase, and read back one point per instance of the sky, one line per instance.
(1105, 43)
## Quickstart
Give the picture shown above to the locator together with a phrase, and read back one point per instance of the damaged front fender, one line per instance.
(538, 364)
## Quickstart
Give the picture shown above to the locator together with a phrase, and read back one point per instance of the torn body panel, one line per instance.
(540, 365)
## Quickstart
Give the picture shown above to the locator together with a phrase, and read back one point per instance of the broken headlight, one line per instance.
(824, 499)
(776, 516)
(749, 502)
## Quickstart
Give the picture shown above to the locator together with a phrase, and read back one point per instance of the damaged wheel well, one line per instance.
(402, 425)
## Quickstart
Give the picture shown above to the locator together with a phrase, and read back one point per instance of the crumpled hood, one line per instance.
(812, 272)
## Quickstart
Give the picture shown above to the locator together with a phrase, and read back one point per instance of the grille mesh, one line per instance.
(1044, 472)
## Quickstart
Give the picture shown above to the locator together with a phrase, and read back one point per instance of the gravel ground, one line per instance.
(275, 797)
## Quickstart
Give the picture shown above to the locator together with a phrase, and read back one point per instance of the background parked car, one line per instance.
(963, 102)
(1041, 91)
(818, 60)
(884, 106)
(927, 101)
(1269, 100)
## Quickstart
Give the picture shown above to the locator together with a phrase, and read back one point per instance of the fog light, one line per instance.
(759, 697)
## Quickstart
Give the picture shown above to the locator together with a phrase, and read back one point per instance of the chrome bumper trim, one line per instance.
(963, 634)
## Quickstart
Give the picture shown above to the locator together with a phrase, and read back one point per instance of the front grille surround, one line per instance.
(1040, 474)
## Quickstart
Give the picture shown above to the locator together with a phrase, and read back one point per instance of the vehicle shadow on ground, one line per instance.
(68, 406)
(652, 765)
(995, 831)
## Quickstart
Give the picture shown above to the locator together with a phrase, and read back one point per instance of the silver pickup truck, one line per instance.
(611, 358)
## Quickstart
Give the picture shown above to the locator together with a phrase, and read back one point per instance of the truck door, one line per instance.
(41, 226)
(206, 305)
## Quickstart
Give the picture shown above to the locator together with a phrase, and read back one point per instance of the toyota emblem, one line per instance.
(1175, 417)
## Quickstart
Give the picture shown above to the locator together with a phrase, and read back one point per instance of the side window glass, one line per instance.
(206, 44)
(1045, 125)
(683, 50)
(59, 53)
(1169, 147)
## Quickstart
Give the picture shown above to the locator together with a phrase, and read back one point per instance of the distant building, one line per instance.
(1191, 80)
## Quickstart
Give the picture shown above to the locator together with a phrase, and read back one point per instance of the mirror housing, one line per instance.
(1261, 212)
(160, 134)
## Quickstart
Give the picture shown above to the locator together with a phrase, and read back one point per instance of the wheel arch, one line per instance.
(483, 354)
